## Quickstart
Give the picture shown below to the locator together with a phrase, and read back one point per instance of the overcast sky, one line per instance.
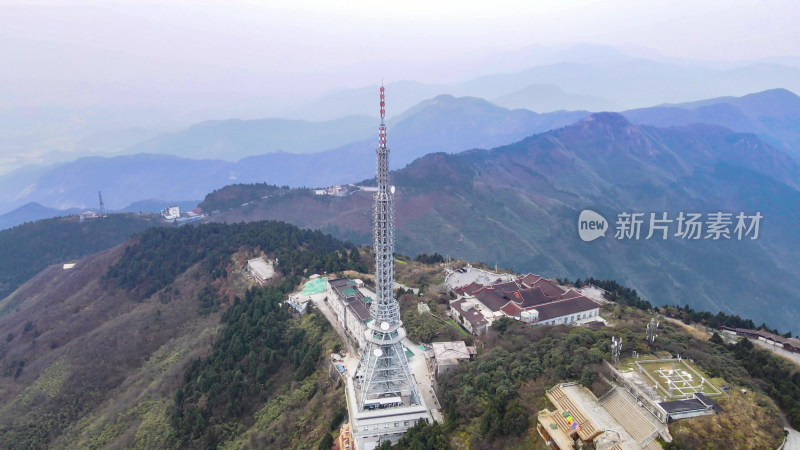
(69, 68)
(301, 46)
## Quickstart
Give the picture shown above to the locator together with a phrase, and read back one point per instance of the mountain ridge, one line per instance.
(443, 123)
(773, 115)
(549, 97)
(446, 124)
(517, 205)
(235, 139)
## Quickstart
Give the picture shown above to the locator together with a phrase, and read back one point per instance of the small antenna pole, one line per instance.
(102, 206)
(652, 327)
(616, 349)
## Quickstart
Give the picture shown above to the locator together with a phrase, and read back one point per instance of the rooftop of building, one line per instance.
(339, 282)
(530, 279)
(449, 353)
(355, 296)
(700, 402)
(529, 292)
(491, 298)
(793, 342)
(261, 267)
(565, 307)
(471, 314)
(360, 309)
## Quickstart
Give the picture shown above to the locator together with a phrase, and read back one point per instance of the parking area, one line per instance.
(466, 275)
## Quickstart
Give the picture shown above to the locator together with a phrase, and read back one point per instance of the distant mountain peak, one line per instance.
(775, 93)
(545, 97)
(451, 101)
(607, 132)
(773, 115)
(447, 102)
(605, 119)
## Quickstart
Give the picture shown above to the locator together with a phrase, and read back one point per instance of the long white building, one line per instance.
(350, 299)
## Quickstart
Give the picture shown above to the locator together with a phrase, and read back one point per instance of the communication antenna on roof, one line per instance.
(102, 206)
(616, 349)
(652, 327)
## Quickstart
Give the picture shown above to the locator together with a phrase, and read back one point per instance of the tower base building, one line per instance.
(370, 427)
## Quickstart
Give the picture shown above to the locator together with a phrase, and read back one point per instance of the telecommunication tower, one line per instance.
(616, 349)
(652, 327)
(386, 373)
(102, 206)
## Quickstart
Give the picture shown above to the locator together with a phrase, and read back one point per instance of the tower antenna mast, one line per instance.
(385, 363)
(652, 327)
(616, 349)
(102, 206)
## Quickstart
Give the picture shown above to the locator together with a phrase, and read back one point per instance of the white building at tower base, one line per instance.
(370, 428)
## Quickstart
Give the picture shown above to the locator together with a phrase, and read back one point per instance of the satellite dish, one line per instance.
(392, 189)
(377, 352)
(385, 326)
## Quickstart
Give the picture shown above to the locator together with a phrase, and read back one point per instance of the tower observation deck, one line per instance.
(387, 395)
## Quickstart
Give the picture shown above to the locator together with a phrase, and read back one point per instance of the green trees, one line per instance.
(29, 248)
(618, 293)
(429, 259)
(261, 341)
(423, 436)
(779, 378)
(235, 194)
(487, 394)
(338, 416)
(502, 324)
(326, 443)
(161, 254)
(503, 419)
(623, 295)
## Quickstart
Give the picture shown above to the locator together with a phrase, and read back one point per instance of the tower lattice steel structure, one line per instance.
(102, 205)
(384, 364)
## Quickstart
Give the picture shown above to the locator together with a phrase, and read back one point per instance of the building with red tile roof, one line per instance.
(471, 315)
(529, 298)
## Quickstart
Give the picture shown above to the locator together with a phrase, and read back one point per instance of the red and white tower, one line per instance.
(388, 396)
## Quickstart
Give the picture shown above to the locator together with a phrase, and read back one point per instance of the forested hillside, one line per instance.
(261, 378)
(161, 343)
(27, 249)
(235, 195)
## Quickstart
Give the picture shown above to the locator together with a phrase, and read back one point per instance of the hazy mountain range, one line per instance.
(618, 83)
(232, 140)
(549, 97)
(33, 211)
(74, 119)
(773, 115)
(440, 124)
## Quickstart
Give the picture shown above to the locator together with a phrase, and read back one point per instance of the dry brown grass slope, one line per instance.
(88, 367)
